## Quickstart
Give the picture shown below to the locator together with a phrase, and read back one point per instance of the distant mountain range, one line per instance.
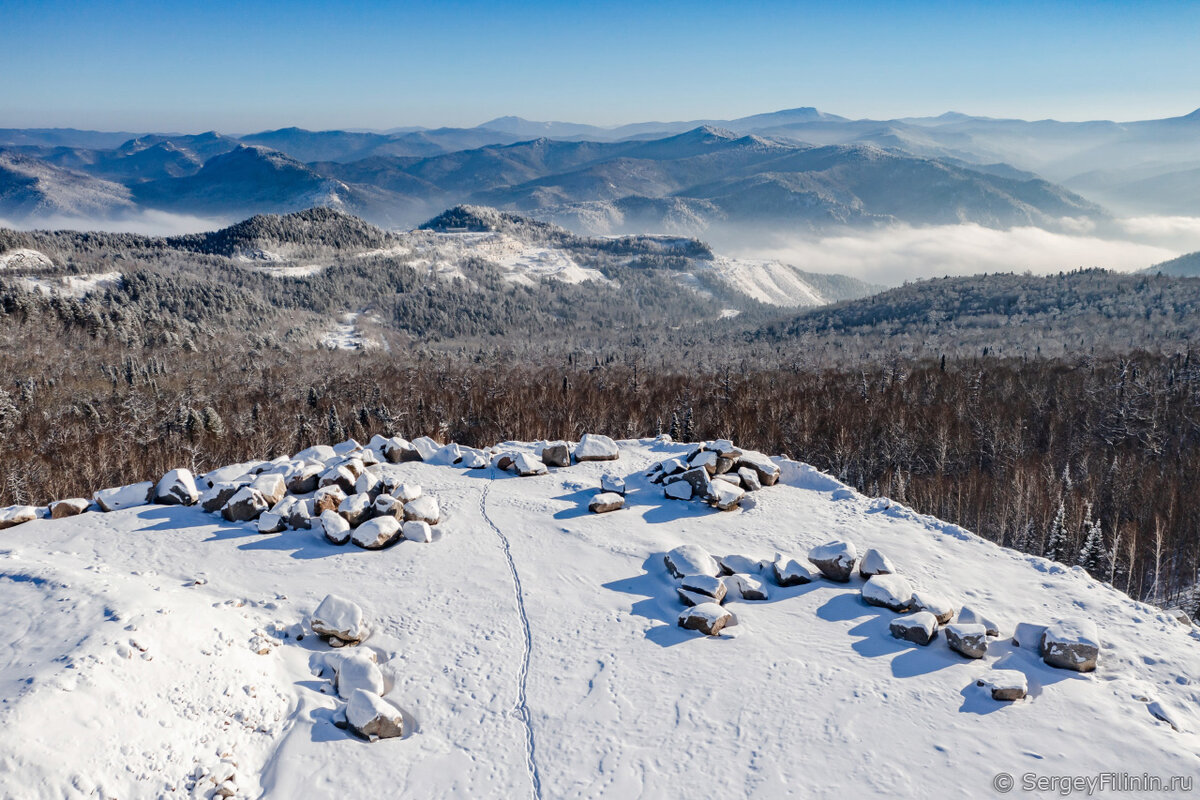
(799, 168)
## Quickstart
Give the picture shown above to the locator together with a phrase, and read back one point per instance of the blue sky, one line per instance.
(239, 67)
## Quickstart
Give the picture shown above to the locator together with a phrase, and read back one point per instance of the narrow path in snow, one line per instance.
(522, 705)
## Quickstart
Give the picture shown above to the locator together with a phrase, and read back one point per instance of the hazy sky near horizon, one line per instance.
(246, 66)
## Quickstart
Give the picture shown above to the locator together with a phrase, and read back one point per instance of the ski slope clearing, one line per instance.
(535, 649)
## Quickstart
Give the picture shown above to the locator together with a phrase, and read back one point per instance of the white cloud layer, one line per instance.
(148, 223)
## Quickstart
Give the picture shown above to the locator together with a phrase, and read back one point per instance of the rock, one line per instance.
(731, 478)
(747, 587)
(504, 461)
(672, 466)
(1026, 635)
(835, 560)
(724, 465)
(678, 490)
(122, 497)
(424, 508)
(377, 533)
(875, 563)
(177, 488)
(372, 717)
(698, 479)
(270, 522)
(425, 447)
(357, 672)
(446, 455)
(474, 460)
(689, 559)
(708, 618)
(605, 502)
(337, 530)
(935, 604)
(594, 447)
(367, 457)
(970, 616)
(417, 531)
(328, 498)
(356, 508)
(749, 479)
(610, 482)
(735, 564)
(305, 479)
(338, 618)
(339, 476)
(790, 572)
(317, 454)
(766, 469)
(704, 459)
(892, 592)
(271, 487)
(246, 504)
(708, 587)
(399, 451)
(407, 492)
(68, 508)
(368, 483)
(348, 446)
(527, 466)
(387, 506)
(968, 639)
(1177, 614)
(920, 628)
(1005, 684)
(725, 496)
(354, 465)
(723, 448)
(214, 499)
(300, 517)
(17, 515)
(1071, 644)
(557, 455)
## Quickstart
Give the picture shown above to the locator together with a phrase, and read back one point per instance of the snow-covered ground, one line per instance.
(768, 281)
(536, 650)
(24, 258)
(347, 335)
(69, 285)
(443, 254)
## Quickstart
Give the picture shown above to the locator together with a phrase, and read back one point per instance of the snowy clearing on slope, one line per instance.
(24, 258)
(346, 335)
(536, 650)
(70, 285)
(767, 281)
(443, 254)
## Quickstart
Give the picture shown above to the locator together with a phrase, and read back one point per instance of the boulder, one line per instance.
(749, 479)
(557, 455)
(1071, 644)
(377, 533)
(892, 592)
(790, 572)
(368, 483)
(246, 504)
(968, 639)
(338, 618)
(707, 587)
(270, 522)
(335, 527)
(689, 559)
(387, 506)
(1026, 635)
(367, 457)
(417, 531)
(605, 502)
(425, 447)
(348, 446)
(372, 717)
(594, 447)
(122, 497)
(724, 448)
(328, 498)
(407, 492)
(527, 466)
(747, 587)
(835, 560)
(766, 469)
(725, 496)
(698, 479)
(920, 628)
(678, 490)
(339, 476)
(68, 508)
(735, 564)
(504, 461)
(672, 466)
(317, 454)
(399, 451)
(424, 508)
(708, 618)
(613, 483)
(705, 459)
(215, 498)
(474, 459)
(356, 508)
(970, 616)
(446, 455)
(935, 604)
(177, 488)
(1177, 614)
(301, 514)
(354, 465)
(357, 671)
(304, 479)
(17, 515)
(1005, 684)
(875, 563)
(271, 487)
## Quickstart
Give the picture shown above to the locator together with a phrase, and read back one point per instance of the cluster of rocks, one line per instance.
(717, 473)
(704, 583)
(356, 677)
(611, 496)
(590, 447)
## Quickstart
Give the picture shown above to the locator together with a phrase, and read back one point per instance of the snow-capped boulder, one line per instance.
(594, 447)
(271, 486)
(935, 604)
(338, 618)
(790, 572)
(335, 527)
(734, 564)
(1177, 614)
(970, 616)
(749, 479)
(317, 454)
(399, 451)
(678, 490)
(328, 498)
(424, 508)
(368, 483)
(724, 448)
(60, 509)
(695, 589)
(690, 559)
(237, 474)
(708, 618)
(387, 506)
(367, 457)
(246, 504)
(407, 492)
(352, 464)
(611, 482)
(425, 447)
(747, 587)
(377, 533)
(340, 476)
(446, 455)
(968, 639)
(605, 502)
(1005, 684)
(304, 479)
(504, 461)
(892, 592)
(474, 459)
(556, 455)
(348, 446)
(1071, 644)
(920, 628)
(357, 671)
(704, 459)
(356, 508)
(835, 560)
(17, 515)
(372, 717)
(270, 522)
(177, 488)
(301, 513)
(215, 498)
(417, 531)
(875, 563)
(725, 496)
(699, 481)
(122, 497)
(527, 465)
(1026, 635)
(766, 469)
